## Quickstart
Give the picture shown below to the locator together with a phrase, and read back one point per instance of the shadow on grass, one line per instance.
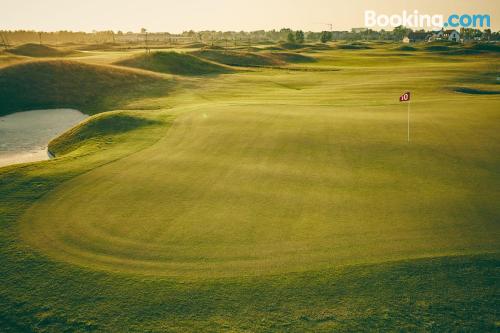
(473, 91)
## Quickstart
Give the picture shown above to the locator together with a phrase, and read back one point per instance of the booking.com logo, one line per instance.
(416, 20)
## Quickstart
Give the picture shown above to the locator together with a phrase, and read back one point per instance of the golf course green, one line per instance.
(257, 192)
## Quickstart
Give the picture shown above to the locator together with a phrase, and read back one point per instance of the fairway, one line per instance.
(229, 197)
(299, 172)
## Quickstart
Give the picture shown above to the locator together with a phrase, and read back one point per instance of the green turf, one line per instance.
(174, 63)
(268, 200)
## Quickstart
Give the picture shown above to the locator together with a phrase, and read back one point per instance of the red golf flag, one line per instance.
(405, 97)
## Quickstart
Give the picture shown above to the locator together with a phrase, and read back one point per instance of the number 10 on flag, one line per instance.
(406, 98)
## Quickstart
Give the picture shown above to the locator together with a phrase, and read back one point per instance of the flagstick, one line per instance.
(408, 121)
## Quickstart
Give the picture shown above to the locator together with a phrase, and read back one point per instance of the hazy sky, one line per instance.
(180, 15)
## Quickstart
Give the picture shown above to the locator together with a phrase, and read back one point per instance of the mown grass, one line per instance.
(276, 201)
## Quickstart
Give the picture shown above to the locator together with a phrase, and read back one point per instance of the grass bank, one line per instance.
(71, 84)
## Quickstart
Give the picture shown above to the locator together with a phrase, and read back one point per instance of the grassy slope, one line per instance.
(174, 63)
(97, 131)
(235, 58)
(57, 83)
(292, 57)
(39, 51)
(7, 59)
(305, 150)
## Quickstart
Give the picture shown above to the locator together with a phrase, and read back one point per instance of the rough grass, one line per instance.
(291, 46)
(353, 46)
(100, 129)
(237, 58)
(451, 48)
(39, 51)
(195, 45)
(475, 91)
(406, 48)
(247, 48)
(273, 48)
(320, 47)
(437, 48)
(292, 57)
(174, 63)
(68, 84)
(486, 47)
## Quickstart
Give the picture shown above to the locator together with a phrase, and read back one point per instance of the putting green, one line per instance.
(311, 172)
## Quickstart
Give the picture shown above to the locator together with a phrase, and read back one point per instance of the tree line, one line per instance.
(220, 37)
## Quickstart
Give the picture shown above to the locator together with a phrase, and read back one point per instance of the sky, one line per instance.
(181, 15)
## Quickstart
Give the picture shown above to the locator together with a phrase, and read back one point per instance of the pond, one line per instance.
(24, 136)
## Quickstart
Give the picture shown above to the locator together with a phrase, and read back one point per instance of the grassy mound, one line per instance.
(233, 58)
(292, 57)
(100, 129)
(474, 91)
(173, 63)
(472, 49)
(247, 48)
(196, 45)
(291, 46)
(320, 47)
(405, 48)
(56, 83)
(40, 51)
(7, 59)
(437, 48)
(273, 48)
(485, 47)
(353, 46)
(214, 47)
(99, 47)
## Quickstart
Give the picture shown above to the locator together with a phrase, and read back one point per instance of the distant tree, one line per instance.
(399, 32)
(299, 36)
(467, 33)
(291, 37)
(326, 36)
(487, 34)
(313, 36)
